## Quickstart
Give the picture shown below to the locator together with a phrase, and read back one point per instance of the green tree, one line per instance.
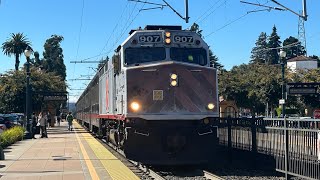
(36, 61)
(12, 89)
(214, 61)
(53, 56)
(252, 86)
(15, 45)
(273, 44)
(259, 52)
(293, 51)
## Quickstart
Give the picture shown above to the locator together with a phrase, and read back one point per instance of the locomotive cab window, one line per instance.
(144, 55)
(189, 55)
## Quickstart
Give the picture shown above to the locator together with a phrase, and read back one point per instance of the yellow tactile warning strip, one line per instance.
(116, 169)
(92, 171)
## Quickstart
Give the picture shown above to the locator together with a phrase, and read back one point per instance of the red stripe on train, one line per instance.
(111, 116)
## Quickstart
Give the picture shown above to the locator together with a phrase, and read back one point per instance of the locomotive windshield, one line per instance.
(143, 55)
(189, 55)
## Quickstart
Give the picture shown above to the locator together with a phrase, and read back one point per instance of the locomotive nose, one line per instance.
(175, 143)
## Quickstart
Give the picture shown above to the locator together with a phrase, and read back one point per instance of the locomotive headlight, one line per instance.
(135, 106)
(210, 106)
(168, 39)
(174, 83)
(173, 79)
(174, 76)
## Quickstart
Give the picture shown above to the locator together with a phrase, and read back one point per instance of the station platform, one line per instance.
(64, 155)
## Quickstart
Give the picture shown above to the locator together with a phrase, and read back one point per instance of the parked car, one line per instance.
(20, 117)
(10, 120)
(2, 125)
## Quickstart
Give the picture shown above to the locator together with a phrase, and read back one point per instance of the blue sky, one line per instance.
(96, 27)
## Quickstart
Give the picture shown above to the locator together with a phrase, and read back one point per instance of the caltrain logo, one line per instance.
(157, 95)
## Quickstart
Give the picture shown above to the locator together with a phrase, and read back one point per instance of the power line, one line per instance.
(118, 39)
(79, 37)
(124, 30)
(231, 22)
(262, 5)
(114, 28)
(213, 10)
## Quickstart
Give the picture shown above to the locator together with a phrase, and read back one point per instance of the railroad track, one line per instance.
(140, 170)
(211, 176)
(152, 173)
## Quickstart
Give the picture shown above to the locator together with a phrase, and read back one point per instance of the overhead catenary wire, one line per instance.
(207, 11)
(115, 27)
(124, 30)
(214, 10)
(79, 36)
(108, 40)
(231, 22)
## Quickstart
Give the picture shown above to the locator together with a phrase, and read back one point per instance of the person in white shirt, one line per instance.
(43, 123)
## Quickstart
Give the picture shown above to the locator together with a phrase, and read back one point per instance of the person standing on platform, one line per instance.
(43, 123)
(69, 119)
(34, 125)
(58, 119)
(49, 119)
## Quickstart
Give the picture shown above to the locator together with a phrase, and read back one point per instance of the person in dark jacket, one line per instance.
(69, 119)
(34, 125)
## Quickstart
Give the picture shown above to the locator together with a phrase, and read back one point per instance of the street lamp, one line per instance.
(282, 55)
(28, 53)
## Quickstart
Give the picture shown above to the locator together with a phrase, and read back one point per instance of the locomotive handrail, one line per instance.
(140, 133)
(201, 134)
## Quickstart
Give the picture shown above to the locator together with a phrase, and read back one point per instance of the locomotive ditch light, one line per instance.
(135, 106)
(210, 106)
(206, 121)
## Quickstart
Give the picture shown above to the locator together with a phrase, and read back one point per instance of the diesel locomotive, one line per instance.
(157, 99)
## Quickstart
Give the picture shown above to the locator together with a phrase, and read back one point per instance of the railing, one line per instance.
(294, 144)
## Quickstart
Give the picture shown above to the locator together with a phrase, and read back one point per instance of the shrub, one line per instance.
(11, 135)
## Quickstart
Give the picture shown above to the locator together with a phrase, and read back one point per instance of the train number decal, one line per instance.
(149, 38)
(183, 39)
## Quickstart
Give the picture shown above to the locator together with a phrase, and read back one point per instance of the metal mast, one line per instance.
(302, 34)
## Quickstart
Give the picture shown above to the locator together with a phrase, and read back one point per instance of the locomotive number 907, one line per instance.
(149, 38)
(183, 39)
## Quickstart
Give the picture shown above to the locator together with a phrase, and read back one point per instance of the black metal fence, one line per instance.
(295, 145)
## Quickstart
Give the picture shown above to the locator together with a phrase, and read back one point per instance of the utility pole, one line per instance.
(302, 34)
(304, 9)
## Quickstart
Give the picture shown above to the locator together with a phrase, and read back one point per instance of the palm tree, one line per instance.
(15, 45)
